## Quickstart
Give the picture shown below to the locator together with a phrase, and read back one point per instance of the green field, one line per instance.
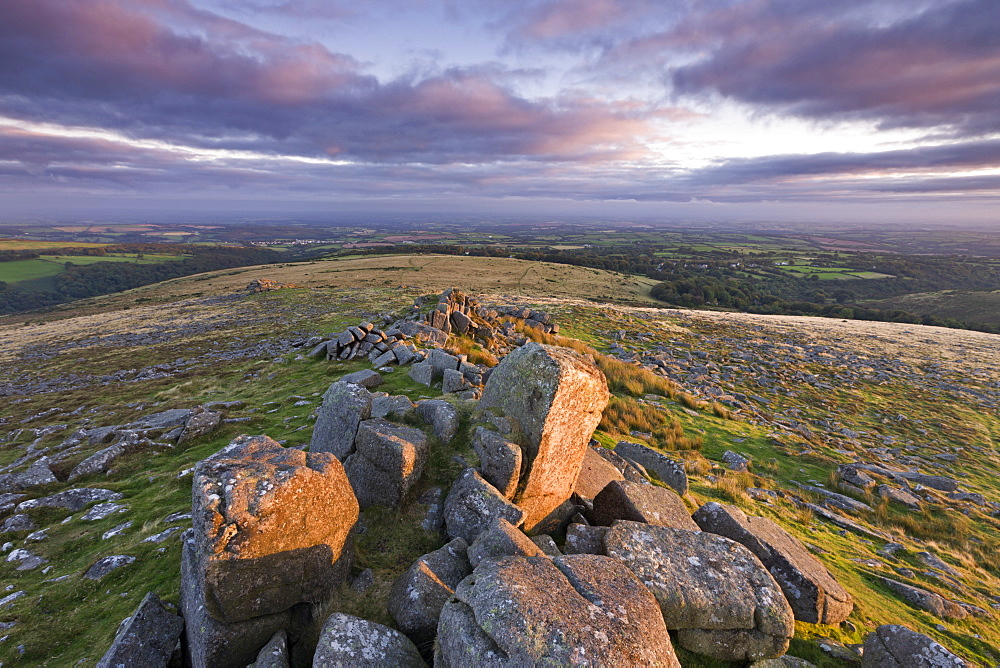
(48, 266)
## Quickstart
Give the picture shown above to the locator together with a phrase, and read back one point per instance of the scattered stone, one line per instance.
(714, 591)
(736, 461)
(838, 500)
(814, 594)
(853, 475)
(27, 561)
(555, 397)
(417, 597)
(894, 646)
(595, 474)
(423, 373)
(111, 533)
(624, 500)
(933, 481)
(452, 380)
(19, 522)
(396, 406)
(499, 460)
(363, 581)
(34, 476)
(71, 499)
(106, 565)
(102, 510)
(162, 536)
(933, 603)
(899, 496)
(670, 472)
(147, 638)
(935, 561)
(388, 460)
(546, 544)
(344, 407)
(473, 505)
(201, 423)
(10, 598)
(580, 610)
(352, 641)
(785, 661)
(434, 519)
(630, 471)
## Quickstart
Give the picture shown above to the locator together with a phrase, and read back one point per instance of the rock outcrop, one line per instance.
(634, 501)
(814, 594)
(713, 591)
(388, 460)
(272, 529)
(555, 399)
(571, 610)
(473, 505)
(345, 406)
(670, 472)
(417, 597)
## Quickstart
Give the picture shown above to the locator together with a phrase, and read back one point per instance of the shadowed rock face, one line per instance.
(345, 405)
(815, 596)
(571, 610)
(417, 597)
(714, 591)
(388, 460)
(555, 397)
(147, 638)
(270, 523)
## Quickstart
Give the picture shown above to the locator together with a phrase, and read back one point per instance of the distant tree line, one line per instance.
(79, 281)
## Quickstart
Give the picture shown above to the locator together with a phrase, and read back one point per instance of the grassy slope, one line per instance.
(65, 621)
(978, 306)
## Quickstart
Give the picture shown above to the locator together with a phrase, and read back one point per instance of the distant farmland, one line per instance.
(49, 266)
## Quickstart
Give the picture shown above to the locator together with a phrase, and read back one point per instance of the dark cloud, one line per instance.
(959, 156)
(936, 67)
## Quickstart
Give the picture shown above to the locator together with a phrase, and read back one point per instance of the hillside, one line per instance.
(799, 398)
(964, 305)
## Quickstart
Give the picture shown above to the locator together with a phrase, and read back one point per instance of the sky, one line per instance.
(793, 110)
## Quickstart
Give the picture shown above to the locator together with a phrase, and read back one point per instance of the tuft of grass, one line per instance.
(475, 353)
(625, 415)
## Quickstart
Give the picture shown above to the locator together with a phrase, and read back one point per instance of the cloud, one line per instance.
(163, 69)
(926, 67)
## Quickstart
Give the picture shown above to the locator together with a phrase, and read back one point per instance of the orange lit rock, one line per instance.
(555, 398)
(271, 527)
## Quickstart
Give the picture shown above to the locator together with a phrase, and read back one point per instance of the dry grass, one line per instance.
(732, 486)
(623, 377)
(475, 353)
(625, 415)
